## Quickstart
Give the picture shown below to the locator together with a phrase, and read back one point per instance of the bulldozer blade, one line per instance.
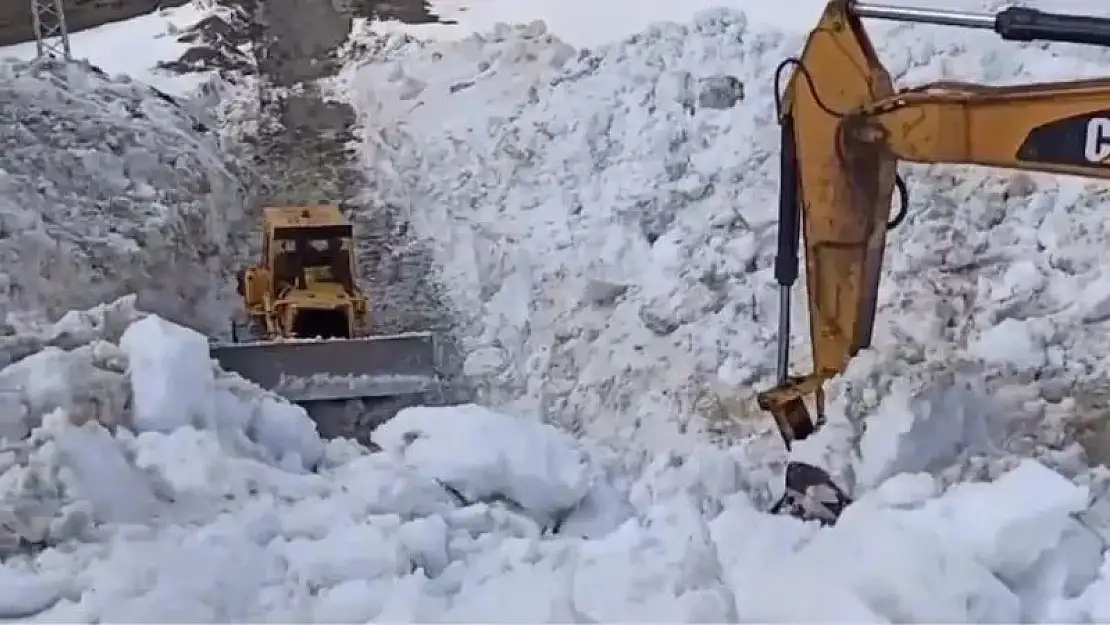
(330, 370)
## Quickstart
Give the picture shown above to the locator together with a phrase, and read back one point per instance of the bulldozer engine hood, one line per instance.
(318, 295)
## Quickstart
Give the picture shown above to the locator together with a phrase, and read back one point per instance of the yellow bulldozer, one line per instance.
(304, 330)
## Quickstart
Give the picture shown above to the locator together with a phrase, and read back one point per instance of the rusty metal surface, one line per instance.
(388, 365)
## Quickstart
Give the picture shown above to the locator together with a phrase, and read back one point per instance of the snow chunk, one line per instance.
(171, 376)
(286, 431)
(924, 429)
(60, 477)
(977, 553)
(519, 165)
(1012, 342)
(103, 476)
(1011, 523)
(67, 365)
(483, 454)
(24, 594)
(175, 385)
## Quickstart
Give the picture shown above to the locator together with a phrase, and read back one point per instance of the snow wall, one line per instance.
(607, 220)
(107, 188)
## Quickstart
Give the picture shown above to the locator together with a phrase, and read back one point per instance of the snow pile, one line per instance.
(200, 498)
(108, 188)
(944, 559)
(605, 22)
(117, 367)
(420, 438)
(607, 220)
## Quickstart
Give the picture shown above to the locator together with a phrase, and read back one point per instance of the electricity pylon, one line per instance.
(51, 33)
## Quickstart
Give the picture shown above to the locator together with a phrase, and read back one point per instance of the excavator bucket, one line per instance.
(811, 495)
(332, 370)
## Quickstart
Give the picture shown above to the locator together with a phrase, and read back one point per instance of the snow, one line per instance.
(469, 514)
(612, 20)
(170, 374)
(481, 453)
(107, 188)
(604, 221)
(134, 47)
(606, 22)
(522, 177)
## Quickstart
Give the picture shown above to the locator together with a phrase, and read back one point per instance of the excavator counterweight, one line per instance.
(845, 128)
(303, 332)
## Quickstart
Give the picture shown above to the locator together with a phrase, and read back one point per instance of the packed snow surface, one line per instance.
(154, 487)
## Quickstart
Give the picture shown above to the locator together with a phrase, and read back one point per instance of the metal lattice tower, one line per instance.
(51, 34)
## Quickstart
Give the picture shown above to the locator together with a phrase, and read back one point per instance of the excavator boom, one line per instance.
(844, 130)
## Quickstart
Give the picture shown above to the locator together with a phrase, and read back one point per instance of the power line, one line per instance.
(51, 33)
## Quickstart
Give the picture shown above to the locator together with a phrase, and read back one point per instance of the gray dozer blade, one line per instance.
(329, 370)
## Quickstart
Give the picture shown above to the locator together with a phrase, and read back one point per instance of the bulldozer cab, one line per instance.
(304, 287)
(309, 245)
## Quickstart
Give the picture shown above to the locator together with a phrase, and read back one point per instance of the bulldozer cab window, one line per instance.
(324, 245)
(321, 252)
(324, 250)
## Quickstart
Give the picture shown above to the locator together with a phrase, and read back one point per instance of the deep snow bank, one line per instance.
(607, 218)
(111, 418)
(107, 188)
(195, 504)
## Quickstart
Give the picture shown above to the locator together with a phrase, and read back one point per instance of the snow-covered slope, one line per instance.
(135, 47)
(605, 22)
(195, 505)
(607, 220)
(107, 188)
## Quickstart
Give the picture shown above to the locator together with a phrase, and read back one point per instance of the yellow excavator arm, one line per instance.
(844, 130)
